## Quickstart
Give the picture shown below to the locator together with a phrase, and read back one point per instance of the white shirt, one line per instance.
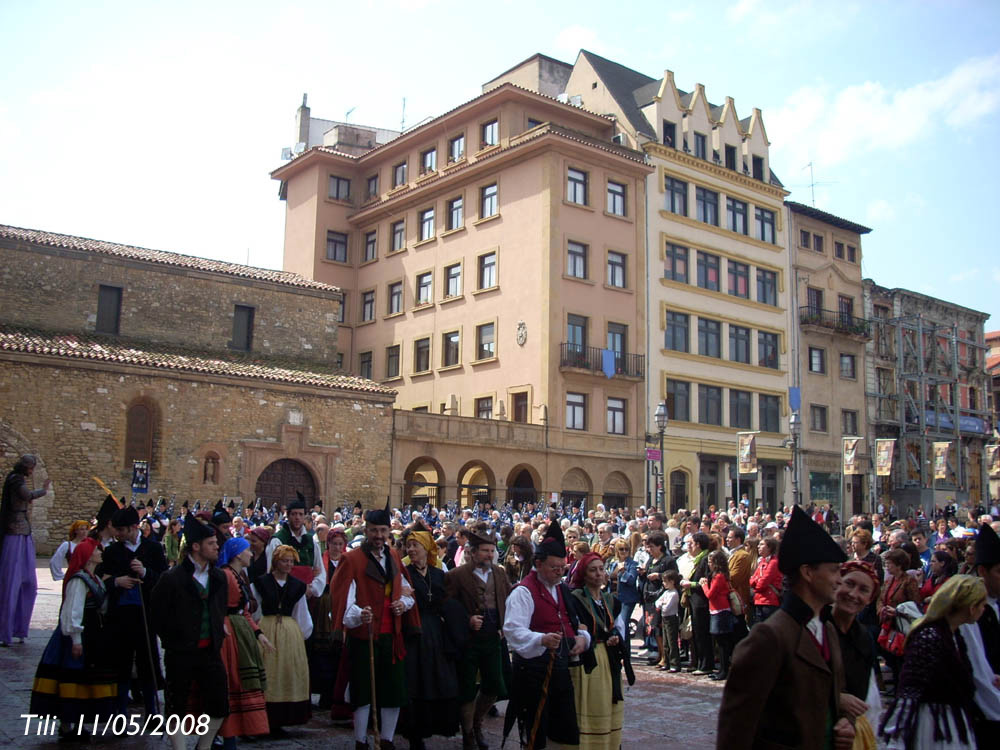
(300, 612)
(816, 628)
(987, 695)
(200, 572)
(319, 575)
(352, 612)
(482, 575)
(517, 622)
(60, 559)
(667, 603)
(71, 613)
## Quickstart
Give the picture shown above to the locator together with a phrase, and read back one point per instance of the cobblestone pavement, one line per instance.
(660, 707)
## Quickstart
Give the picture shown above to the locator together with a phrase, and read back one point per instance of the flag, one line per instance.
(747, 453)
(883, 456)
(993, 461)
(851, 455)
(941, 460)
(608, 362)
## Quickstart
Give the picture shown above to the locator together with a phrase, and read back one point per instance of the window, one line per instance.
(709, 338)
(848, 366)
(371, 246)
(422, 355)
(739, 344)
(485, 341)
(852, 254)
(398, 236)
(336, 246)
(617, 343)
(849, 422)
(424, 288)
(817, 360)
(739, 409)
(818, 243)
(395, 297)
(368, 305)
(707, 205)
(675, 267)
(616, 198)
(708, 271)
(488, 201)
(700, 146)
(767, 349)
(767, 287)
(456, 148)
(392, 361)
(340, 189)
(487, 271)
(765, 225)
(453, 280)
(399, 174)
(372, 189)
(730, 157)
(484, 407)
(427, 224)
(677, 200)
(139, 426)
(758, 167)
(429, 160)
(576, 186)
(449, 349)
(365, 365)
(533, 123)
(838, 250)
(814, 300)
(736, 215)
(576, 411)
(709, 404)
(420, 409)
(804, 238)
(342, 312)
(679, 400)
(576, 260)
(340, 360)
(616, 270)
(109, 309)
(490, 133)
(576, 333)
(769, 411)
(456, 213)
(669, 134)
(739, 279)
(677, 332)
(519, 407)
(242, 328)
(616, 416)
(845, 309)
(817, 418)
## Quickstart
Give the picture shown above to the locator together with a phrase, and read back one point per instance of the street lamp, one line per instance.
(661, 419)
(795, 427)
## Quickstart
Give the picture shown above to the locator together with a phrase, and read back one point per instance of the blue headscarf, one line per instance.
(232, 548)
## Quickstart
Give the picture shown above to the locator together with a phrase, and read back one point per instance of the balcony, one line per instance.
(833, 320)
(591, 358)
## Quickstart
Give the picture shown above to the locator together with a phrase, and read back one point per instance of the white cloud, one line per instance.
(880, 211)
(996, 274)
(572, 39)
(741, 9)
(677, 17)
(967, 275)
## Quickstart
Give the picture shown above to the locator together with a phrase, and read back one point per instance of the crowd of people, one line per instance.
(414, 622)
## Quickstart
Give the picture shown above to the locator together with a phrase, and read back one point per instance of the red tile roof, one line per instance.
(992, 362)
(165, 357)
(51, 239)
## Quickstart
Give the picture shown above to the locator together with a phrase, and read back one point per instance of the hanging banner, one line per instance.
(884, 448)
(993, 461)
(748, 454)
(941, 460)
(851, 455)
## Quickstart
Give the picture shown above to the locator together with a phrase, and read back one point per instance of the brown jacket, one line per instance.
(462, 584)
(739, 575)
(780, 690)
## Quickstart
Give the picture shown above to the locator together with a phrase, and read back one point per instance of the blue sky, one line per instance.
(157, 124)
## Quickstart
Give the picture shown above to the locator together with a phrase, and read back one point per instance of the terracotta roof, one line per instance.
(165, 357)
(992, 362)
(51, 239)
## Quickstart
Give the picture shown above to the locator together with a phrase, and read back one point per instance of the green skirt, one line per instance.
(390, 678)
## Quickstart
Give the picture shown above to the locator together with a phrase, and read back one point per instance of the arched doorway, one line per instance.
(423, 482)
(475, 484)
(522, 487)
(576, 488)
(279, 482)
(678, 491)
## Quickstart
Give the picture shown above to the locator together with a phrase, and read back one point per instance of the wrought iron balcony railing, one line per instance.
(835, 320)
(592, 358)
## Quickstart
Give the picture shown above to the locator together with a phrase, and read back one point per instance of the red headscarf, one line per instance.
(580, 571)
(858, 566)
(79, 559)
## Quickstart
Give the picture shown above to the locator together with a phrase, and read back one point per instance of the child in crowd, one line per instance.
(667, 603)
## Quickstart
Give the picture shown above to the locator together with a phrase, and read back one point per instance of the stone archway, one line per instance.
(476, 483)
(423, 482)
(13, 445)
(280, 482)
(523, 485)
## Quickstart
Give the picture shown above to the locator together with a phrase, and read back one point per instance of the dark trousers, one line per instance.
(701, 639)
(558, 720)
(671, 628)
(196, 674)
(724, 643)
(762, 612)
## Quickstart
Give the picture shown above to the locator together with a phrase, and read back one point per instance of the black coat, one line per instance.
(117, 559)
(176, 608)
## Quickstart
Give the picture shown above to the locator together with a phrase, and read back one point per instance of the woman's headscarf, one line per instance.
(79, 559)
(957, 592)
(580, 571)
(426, 540)
(262, 533)
(232, 548)
(858, 566)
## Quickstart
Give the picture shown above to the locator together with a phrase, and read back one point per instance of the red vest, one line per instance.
(549, 616)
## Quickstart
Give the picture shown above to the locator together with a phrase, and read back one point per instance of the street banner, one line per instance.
(748, 454)
(993, 461)
(883, 456)
(140, 476)
(941, 460)
(851, 455)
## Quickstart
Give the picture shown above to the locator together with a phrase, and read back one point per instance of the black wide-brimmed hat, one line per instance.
(220, 515)
(987, 546)
(554, 543)
(806, 543)
(481, 537)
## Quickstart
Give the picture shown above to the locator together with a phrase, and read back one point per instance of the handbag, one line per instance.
(684, 631)
(735, 603)
(891, 639)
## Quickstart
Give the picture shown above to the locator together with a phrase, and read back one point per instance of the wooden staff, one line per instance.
(371, 672)
(541, 701)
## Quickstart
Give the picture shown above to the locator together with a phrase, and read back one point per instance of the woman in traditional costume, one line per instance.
(75, 677)
(78, 531)
(259, 538)
(284, 618)
(240, 653)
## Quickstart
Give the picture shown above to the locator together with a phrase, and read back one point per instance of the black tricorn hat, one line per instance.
(195, 530)
(127, 516)
(219, 514)
(380, 517)
(554, 543)
(987, 546)
(806, 543)
(106, 511)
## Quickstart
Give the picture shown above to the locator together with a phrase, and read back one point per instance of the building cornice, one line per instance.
(679, 157)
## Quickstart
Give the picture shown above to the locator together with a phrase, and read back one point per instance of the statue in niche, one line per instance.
(211, 470)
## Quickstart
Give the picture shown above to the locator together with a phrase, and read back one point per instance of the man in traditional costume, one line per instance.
(309, 568)
(189, 611)
(103, 531)
(133, 565)
(482, 588)
(372, 600)
(543, 633)
(983, 640)
(786, 678)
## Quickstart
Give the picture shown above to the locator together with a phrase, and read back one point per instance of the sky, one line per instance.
(157, 124)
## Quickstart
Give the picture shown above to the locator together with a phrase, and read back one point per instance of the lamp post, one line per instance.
(795, 427)
(661, 419)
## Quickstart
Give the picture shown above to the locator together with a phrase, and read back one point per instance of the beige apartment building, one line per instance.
(493, 267)
(830, 363)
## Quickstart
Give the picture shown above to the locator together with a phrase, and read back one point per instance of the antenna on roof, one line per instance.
(813, 183)
(402, 119)
(347, 114)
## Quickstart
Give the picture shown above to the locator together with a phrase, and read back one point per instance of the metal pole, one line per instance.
(663, 476)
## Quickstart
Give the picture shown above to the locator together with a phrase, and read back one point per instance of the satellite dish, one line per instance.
(299, 147)
(286, 154)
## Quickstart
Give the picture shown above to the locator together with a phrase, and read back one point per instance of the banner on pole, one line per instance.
(993, 461)
(748, 454)
(884, 448)
(851, 455)
(941, 460)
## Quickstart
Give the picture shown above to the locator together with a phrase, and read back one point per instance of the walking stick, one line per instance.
(371, 671)
(149, 650)
(541, 701)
